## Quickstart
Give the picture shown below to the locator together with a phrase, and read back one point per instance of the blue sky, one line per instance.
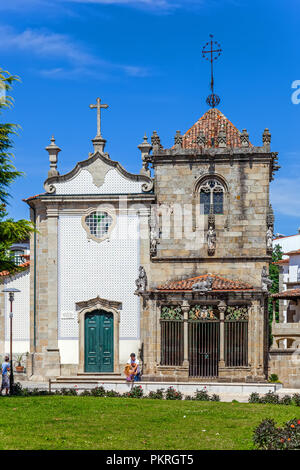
(143, 58)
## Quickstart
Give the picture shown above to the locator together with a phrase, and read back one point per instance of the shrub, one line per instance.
(201, 395)
(254, 398)
(135, 392)
(17, 389)
(296, 399)
(188, 397)
(215, 397)
(286, 400)
(269, 437)
(86, 393)
(271, 398)
(173, 394)
(157, 395)
(98, 392)
(112, 393)
(273, 378)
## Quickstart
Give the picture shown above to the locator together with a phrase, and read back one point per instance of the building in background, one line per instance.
(285, 350)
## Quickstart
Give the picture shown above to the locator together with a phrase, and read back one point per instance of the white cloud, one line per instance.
(75, 58)
(285, 196)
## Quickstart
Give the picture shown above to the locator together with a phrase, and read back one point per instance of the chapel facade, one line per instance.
(170, 263)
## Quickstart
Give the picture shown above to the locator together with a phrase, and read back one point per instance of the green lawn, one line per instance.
(59, 422)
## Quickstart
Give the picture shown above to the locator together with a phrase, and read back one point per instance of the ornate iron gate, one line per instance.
(171, 343)
(236, 337)
(204, 342)
(171, 325)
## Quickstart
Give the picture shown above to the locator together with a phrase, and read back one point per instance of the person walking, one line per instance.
(5, 378)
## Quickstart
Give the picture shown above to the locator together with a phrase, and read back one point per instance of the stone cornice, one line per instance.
(49, 184)
(90, 198)
(195, 259)
(98, 301)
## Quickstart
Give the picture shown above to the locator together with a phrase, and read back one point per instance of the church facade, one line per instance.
(171, 263)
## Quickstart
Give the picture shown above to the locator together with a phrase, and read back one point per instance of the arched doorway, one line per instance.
(99, 341)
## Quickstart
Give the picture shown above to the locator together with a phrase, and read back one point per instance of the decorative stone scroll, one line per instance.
(236, 313)
(171, 312)
(202, 312)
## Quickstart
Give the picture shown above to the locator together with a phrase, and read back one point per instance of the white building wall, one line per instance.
(114, 183)
(21, 313)
(87, 269)
(288, 243)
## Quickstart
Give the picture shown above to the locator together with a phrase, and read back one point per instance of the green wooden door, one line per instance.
(99, 342)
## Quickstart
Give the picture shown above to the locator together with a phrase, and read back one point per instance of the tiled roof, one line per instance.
(219, 284)
(282, 261)
(294, 252)
(286, 294)
(22, 268)
(33, 197)
(211, 123)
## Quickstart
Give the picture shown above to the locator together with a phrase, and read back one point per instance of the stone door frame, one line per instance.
(89, 306)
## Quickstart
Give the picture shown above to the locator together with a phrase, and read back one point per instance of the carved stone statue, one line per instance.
(265, 280)
(141, 282)
(211, 240)
(154, 235)
(203, 286)
(269, 239)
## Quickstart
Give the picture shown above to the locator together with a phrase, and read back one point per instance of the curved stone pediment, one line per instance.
(90, 175)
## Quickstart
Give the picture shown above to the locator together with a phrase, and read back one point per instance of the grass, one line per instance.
(59, 422)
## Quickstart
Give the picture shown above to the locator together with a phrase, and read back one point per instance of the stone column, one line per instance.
(222, 309)
(52, 358)
(273, 345)
(185, 309)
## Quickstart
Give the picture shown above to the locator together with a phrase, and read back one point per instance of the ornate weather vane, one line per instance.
(212, 54)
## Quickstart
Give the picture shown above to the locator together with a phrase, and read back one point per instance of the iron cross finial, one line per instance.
(212, 54)
(98, 106)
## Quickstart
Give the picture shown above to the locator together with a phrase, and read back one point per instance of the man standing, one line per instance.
(134, 362)
(5, 379)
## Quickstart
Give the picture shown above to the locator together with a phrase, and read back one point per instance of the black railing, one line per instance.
(236, 343)
(204, 339)
(172, 342)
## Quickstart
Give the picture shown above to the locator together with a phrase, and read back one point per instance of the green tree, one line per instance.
(274, 276)
(11, 231)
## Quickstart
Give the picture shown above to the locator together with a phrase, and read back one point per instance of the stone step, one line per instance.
(90, 379)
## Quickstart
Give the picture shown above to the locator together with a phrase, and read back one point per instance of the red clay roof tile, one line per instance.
(211, 123)
(219, 284)
(286, 294)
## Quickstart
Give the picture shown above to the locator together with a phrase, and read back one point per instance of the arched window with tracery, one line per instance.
(212, 196)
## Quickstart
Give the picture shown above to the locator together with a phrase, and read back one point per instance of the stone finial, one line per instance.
(200, 139)
(178, 139)
(266, 138)
(155, 140)
(53, 151)
(99, 144)
(244, 138)
(221, 139)
(145, 149)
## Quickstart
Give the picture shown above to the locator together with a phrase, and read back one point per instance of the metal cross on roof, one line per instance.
(212, 54)
(98, 106)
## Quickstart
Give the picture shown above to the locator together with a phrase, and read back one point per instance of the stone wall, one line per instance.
(286, 364)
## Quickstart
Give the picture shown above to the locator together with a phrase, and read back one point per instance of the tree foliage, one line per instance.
(11, 231)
